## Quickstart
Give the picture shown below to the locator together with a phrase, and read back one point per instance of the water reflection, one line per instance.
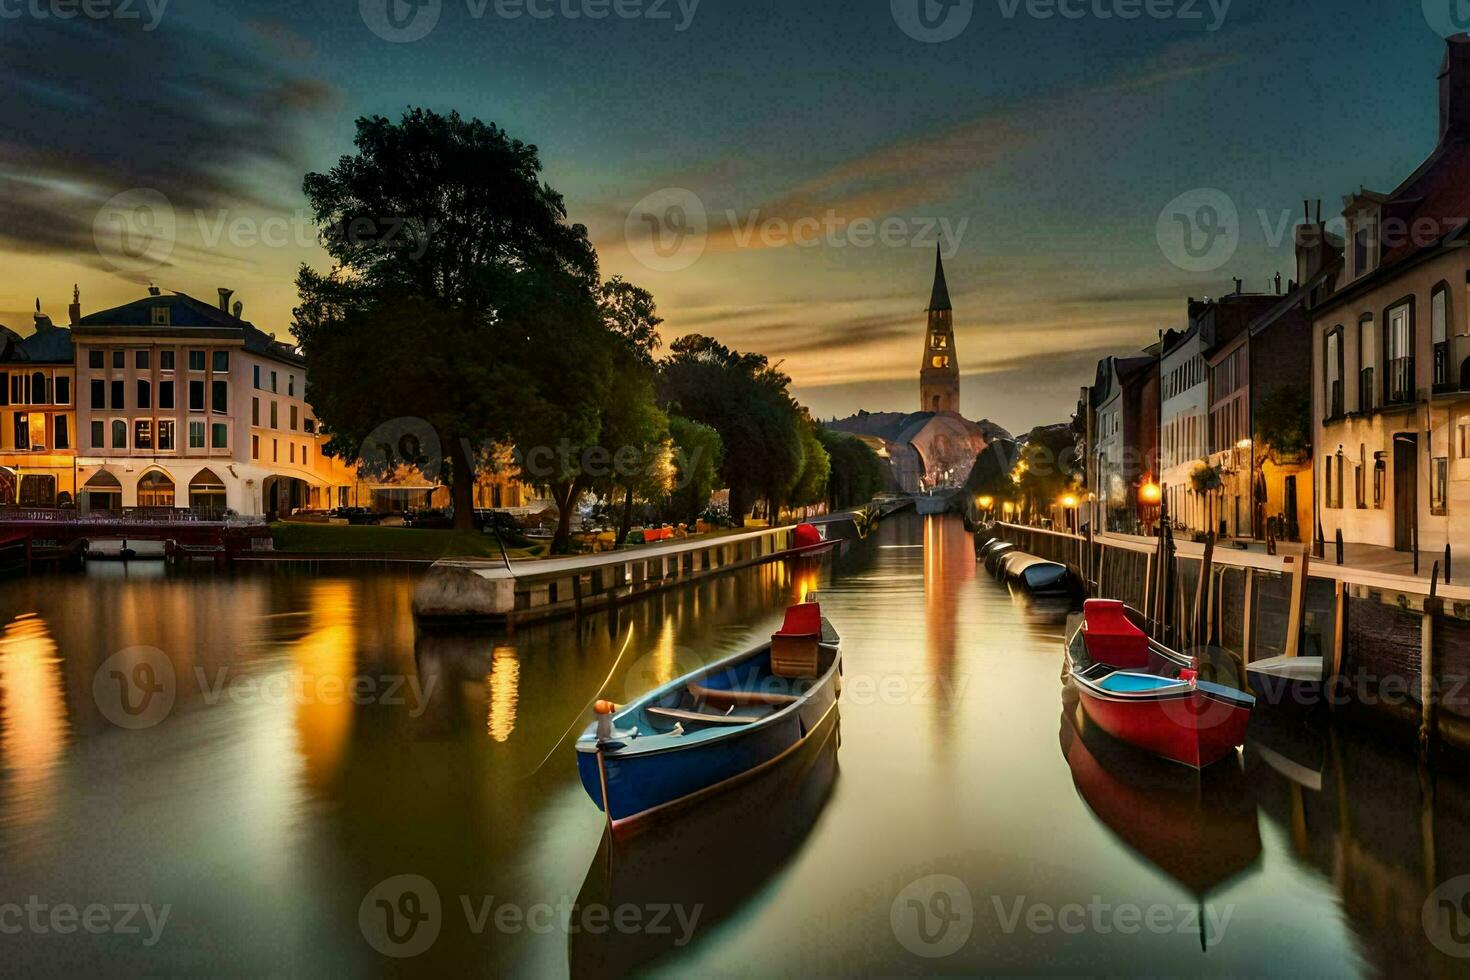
(707, 862)
(33, 724)
(265, 823)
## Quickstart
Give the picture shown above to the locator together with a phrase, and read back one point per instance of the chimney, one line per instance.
(74, 311)
(1454, 88)
(224, 299)
(43, 322)
(154, 290)
(239, 309)
(1311, 244)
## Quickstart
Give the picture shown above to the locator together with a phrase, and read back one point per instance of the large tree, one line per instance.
(856, 471)
(446, 243)
(698, 455)
(746, 400)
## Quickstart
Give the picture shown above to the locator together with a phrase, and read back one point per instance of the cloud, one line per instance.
(95, 108)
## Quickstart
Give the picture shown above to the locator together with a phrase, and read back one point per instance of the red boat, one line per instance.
(1149, 696)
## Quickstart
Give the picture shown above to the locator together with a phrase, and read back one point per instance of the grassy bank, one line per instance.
(341, 539)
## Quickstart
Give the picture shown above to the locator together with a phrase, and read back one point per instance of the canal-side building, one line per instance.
(1124, 451)
(183, 404)
(1391, 350)
(1185, 392)
(38, 416)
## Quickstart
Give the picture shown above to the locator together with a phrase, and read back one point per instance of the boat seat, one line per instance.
(1111, 637)
(702, 694)
(794, 646)
(697, 717)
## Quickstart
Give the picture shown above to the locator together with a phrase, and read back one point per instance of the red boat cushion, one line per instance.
(1111, 636)
(802, 620)
(805, 536)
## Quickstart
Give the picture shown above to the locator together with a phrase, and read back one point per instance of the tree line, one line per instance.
(460, 292)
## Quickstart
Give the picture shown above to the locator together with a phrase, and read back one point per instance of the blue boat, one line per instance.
(710, 730)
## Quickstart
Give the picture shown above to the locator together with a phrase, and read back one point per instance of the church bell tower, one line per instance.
(939, 376)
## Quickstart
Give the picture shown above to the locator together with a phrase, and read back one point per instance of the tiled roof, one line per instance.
(50, 346)
(188, 312)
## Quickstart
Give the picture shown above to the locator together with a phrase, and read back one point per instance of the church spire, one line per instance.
(940, 298)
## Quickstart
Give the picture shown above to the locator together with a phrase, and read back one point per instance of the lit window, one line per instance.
(165, 435)
(143, 434)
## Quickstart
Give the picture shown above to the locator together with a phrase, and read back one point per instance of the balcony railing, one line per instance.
(1399, 389)
(125, 515)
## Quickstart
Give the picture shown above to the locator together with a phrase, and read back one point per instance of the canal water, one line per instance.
(276, 774)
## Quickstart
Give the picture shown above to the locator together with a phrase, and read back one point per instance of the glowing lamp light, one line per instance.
(986, 502)
(1069, 501)
(1243, 444)
(1150, 493)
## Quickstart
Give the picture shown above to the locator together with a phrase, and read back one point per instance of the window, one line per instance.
(1380, 481)
(18, 389)
(1334, 374)
(165, 435)
(38, 389)
(255, 447)
(165, 360)
(275, 416)
(196, 434)
(1399, 377)
(117, 394)
(1462, 434)
(1439, 314)
(160, 316)
(295, 419)
(145, 394)
(309, 425)
(143, 434)
(221, 362)
(291, 449)
(140, 360)
(221, 436)
(255, 411)
(22, 431)
(37, 433)
(165, 394)
(196, 360)
(1360, 478)
(63, 391)
(4, 387)
(196, 396)
(275, 451)
(119, 360)
(119, 434)
(1367, 361)
(273, 381)
(1439, 482)
(257, 377)
(291, 385)
(1327, 477)
(98, 431)
(1361, 255)
(99, 393)
(220, 400)
(63, 432)
(95, 359)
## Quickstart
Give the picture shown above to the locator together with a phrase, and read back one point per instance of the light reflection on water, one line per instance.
(319, 745)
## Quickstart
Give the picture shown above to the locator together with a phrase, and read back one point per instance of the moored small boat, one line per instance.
(1295, 682)
(1036, 576)
(993, 553)
(713, 728)
(1151, 697)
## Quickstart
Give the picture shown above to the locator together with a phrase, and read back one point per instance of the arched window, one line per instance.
(39, 395)
(207, 493)
(119, 434)
(155, 489)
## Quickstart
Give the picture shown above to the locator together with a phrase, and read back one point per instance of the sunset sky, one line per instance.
(1048, 148)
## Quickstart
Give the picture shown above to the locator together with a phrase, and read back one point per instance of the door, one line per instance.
(1293, 529)
(1405, 489)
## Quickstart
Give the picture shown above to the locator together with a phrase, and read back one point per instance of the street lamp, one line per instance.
(1069, 509)
(1150, 497)
(984, 502)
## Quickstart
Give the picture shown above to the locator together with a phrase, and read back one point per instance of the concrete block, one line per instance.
(454, 589)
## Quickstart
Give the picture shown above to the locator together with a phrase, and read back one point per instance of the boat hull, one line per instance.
(1194, 728)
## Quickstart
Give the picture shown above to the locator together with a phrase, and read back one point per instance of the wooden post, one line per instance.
(1428, 688)
(1449, 559)
(1296, 618)
(1247, 617)
(1339, 633)
(1199, 624)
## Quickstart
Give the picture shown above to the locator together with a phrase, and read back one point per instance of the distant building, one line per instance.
(38, 424)
(1391, 348)
(1184, 383)
(924, 450)
(939, 374)
(1123, 451)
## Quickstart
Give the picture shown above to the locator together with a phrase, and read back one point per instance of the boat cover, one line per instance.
(1111, 637)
